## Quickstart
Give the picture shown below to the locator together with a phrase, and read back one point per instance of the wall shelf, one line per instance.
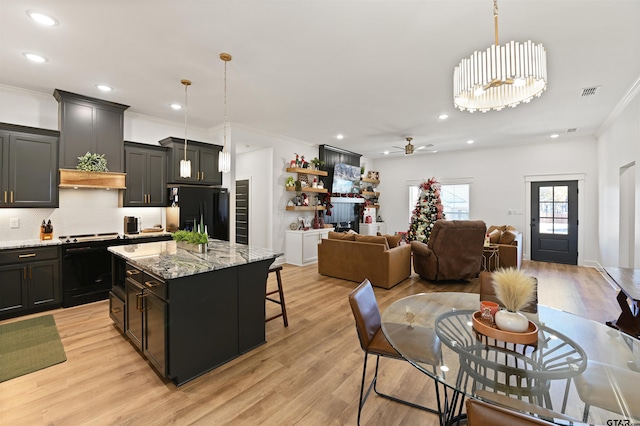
(376, 181)
(374, 194)
(305, 208)
(306, 171)
(309, 189)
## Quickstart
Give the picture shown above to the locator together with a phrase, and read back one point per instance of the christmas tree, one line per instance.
(428, 210)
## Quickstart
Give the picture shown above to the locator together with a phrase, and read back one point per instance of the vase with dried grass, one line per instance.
(515, 290)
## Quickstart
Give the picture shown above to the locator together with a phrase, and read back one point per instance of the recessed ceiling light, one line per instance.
(470, 141)
(177, 107)
(555, 135)
(35, 57)
(104, 87)
(340, 137)
(41, 18)
(443, 117)
(385, 153)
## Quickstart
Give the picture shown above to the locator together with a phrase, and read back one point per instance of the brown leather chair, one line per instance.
(373, 342)
(482, 414)
(454, 251)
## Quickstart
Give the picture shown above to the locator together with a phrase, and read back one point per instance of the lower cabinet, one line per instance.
(373, 228)
(302, 246)
(146, 319)
(29, 281)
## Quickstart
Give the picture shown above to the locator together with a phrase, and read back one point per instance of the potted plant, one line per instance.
(92, 163)
(195, 240)
(515, 290)
(316, 163)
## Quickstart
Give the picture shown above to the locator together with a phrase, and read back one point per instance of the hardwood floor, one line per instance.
(308, 373)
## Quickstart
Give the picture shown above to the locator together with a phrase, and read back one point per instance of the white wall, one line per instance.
(498, 177)
(284, 150)
(618, 146)
(257, 167)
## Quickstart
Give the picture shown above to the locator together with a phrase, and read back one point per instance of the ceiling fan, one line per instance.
(409, 148)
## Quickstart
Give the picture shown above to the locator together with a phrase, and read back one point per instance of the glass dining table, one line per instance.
(578, 371)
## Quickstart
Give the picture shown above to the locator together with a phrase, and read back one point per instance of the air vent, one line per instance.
(589, 91)
(574, 129)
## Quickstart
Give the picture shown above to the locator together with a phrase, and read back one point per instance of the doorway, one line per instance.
(554, 221)
(242, 211)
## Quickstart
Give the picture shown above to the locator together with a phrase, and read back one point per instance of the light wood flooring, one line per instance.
(306, 374)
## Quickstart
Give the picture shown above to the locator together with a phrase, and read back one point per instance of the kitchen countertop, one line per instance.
(165, 260)
(36, 242)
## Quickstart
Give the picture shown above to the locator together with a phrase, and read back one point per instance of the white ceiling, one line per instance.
(375, 71)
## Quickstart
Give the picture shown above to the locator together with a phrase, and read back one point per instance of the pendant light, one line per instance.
(224, 158)
(185, 165)
(501, 76)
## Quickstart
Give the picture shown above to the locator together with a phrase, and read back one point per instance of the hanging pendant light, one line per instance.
(500, 76)
(224, 158)
(185, 165)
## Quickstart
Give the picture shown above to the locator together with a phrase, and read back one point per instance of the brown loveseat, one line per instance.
(454, 251)
(509, 241)
(355, 257)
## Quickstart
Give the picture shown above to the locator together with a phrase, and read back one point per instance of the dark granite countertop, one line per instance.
(166, 260)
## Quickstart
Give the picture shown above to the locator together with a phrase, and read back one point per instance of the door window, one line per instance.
(553, 207)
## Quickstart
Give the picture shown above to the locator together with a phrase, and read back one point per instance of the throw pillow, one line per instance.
(501, 228)
(373, 239)
(392, 240)
(494, 236)
(507, 238)
(341, 236)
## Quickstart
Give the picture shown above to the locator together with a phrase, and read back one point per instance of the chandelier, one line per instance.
(501, 75)
(224, 158)
(185, 165)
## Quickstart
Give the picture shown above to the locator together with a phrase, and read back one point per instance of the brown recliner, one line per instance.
(454, 251)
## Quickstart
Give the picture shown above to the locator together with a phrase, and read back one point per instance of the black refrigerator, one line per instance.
(187, 204)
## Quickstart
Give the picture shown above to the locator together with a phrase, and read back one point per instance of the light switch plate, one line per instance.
(14, 223)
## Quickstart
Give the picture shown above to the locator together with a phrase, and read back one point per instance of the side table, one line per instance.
(490, 257)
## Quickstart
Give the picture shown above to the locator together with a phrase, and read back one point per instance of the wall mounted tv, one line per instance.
(346, 179)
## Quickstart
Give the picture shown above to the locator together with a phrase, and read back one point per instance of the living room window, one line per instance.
(454, 197)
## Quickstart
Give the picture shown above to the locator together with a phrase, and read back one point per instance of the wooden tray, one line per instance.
(149, 230)
(526, 338)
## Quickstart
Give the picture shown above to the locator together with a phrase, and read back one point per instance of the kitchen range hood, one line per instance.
(70, 178)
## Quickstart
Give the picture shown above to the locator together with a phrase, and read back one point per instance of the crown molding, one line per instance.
(620, 107)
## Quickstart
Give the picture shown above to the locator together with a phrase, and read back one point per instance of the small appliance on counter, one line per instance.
(131, 225)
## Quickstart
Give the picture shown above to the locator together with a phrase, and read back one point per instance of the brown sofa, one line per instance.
(454, 251)
(356, 257)
(509, 241)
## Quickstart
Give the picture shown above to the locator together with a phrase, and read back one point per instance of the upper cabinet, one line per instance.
(203, 157)
(146, 179)
(28, 167)
(90, 125)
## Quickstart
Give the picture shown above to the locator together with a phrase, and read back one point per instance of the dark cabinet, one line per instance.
(90, 125)
(28, 167)
(29, 281)
(203, 157)
(146, 317)
(146, 181)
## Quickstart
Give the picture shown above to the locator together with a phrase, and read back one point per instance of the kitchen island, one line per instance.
(190, 312)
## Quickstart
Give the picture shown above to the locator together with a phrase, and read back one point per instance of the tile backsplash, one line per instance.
(81, 211)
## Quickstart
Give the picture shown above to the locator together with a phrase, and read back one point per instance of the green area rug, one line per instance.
(29, 345)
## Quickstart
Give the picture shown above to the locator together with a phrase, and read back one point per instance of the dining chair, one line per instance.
(481, 413)
(373, 342)
(602, 385)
